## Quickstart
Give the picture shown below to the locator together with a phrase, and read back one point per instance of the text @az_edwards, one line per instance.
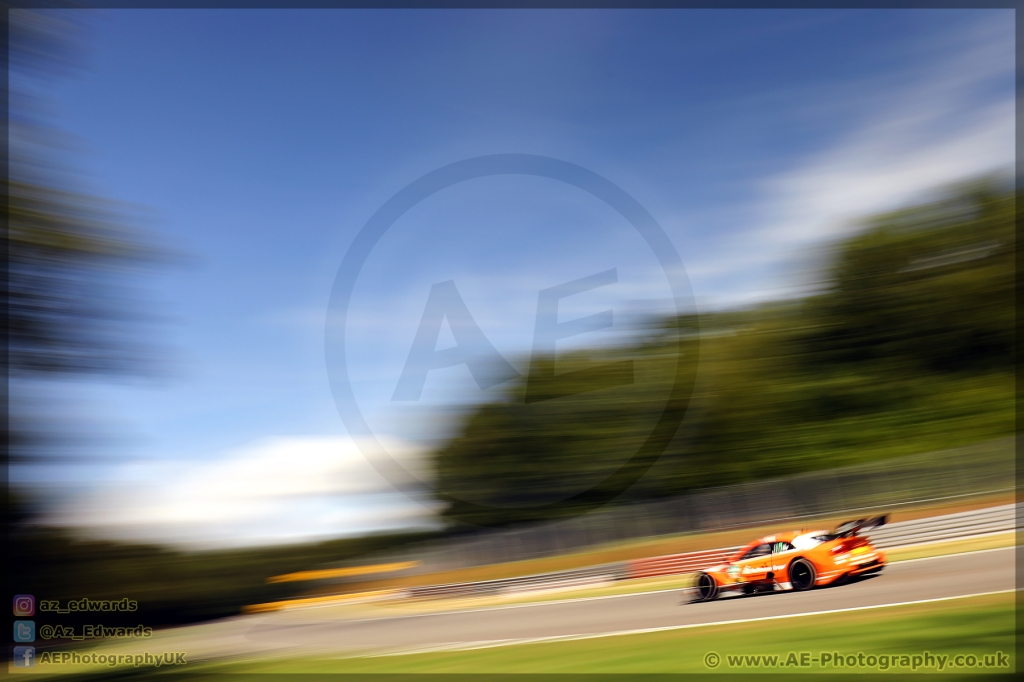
(94, 631)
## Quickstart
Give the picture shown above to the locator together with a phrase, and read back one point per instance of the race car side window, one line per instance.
(780, 547)
(764, 549)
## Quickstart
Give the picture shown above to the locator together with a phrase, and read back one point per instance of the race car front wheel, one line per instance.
(707, 587)
(802, 575)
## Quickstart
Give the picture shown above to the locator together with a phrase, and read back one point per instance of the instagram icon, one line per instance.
(24, 605)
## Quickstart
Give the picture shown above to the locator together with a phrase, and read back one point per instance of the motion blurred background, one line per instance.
(185, 184)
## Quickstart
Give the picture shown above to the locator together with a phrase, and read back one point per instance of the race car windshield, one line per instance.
(763, 549)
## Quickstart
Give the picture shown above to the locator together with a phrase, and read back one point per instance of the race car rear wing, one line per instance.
(851, 528)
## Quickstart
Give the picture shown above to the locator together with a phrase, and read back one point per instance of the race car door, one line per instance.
(755, 564)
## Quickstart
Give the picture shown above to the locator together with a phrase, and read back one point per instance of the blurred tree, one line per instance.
(63, 253)
(927, 286)
(541, 459)
(908, 347)
(65, 249)
(67, 290)
(68, 254)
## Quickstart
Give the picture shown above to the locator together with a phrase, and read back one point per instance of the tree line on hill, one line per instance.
(906, 346)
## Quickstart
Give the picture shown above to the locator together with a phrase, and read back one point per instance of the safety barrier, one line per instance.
(932, 529)
(677, 563)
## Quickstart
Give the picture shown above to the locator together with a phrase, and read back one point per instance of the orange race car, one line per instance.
(797, 560)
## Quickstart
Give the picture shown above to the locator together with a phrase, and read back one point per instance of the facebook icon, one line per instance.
(24, 656)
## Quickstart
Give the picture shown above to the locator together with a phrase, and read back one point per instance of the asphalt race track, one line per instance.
(908, 581)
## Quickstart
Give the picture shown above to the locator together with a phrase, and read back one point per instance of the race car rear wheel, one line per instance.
(707, 587)
(802, 575)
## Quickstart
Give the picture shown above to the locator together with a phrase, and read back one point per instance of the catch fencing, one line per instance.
(884, 485)
(947, 527)
(934, 529)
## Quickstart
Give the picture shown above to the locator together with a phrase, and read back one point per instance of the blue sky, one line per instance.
(261, 141)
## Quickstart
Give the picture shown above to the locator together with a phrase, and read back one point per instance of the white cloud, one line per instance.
(275, 490)
(942, 129)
